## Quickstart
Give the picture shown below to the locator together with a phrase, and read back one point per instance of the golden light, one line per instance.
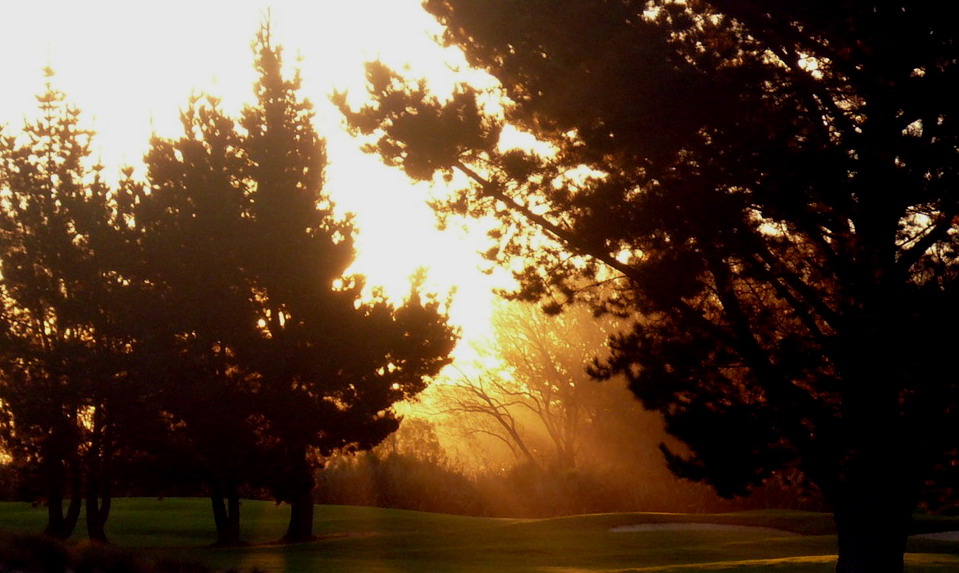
(131, 66)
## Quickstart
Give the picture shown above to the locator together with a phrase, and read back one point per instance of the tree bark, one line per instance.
(301, 484)
(226, 515)
(98, 501)
(872, 535)
(60, 525)
(881, 475)
(98, 494)
(98, 510)
(876, 499)
(300, 528)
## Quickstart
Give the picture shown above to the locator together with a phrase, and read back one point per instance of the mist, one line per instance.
(527, 432)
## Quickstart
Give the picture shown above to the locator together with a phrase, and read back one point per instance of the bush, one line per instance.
(411, 470)
(400, 481)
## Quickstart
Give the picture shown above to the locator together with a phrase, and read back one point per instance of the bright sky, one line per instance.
(130, 65)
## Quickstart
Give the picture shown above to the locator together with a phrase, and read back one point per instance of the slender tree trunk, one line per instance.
(98, 510)
(300, 528)
(98, 498)
(55, 523)
(60, 525)
(76, 499)
(226, 516)
(220, 519)
(98, 503)
(233, 503)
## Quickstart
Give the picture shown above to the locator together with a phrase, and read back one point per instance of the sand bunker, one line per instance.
(942, 535)
(697, 527)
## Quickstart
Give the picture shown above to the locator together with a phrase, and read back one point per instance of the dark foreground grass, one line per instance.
(369, 540)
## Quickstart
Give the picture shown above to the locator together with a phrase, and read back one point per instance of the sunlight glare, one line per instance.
(130, 68)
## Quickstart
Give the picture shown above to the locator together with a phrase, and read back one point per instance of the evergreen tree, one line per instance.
(191, 225)
(771, 186)
(251, 257)
(64, 346)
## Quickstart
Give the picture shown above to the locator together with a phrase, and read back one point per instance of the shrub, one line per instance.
(398, 480)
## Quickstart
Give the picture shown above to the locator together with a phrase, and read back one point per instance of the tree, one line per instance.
(191, 227)
(252, 257)
(569, 434)
(408, 470)
(67, 395)
(771, 186)
(540, 391)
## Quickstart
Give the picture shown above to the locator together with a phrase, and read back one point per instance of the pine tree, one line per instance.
(769, 186)
(255, 261)
(64, 353)
(191, 223)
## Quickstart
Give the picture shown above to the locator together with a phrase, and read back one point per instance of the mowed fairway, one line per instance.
(359, 539)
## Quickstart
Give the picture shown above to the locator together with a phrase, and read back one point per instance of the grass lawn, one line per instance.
(370, 540)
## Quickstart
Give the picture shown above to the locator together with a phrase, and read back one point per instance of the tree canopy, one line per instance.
(771, 188)
(69, 402)
(252, 255)
(199, 324)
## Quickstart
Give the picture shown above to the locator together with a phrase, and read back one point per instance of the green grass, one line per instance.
(370, 540)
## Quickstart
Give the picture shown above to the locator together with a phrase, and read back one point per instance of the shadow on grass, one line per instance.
(174, 535)
(41, 554)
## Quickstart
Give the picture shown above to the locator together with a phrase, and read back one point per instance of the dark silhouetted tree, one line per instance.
(192, 225)
(66, 392)
(772, 186)
(250, 260)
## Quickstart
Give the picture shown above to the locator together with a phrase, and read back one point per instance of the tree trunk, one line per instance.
(56, 524)
(881, 475)
(872, 535)
(300, 494)
(876, 498)
(60, 525)
(98, 498)
(226, 515)
(76, 500)
(301, 519)
(233, 503)
(98, 510)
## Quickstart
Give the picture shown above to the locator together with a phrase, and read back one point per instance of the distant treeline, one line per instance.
(391, 479)
(404, 481)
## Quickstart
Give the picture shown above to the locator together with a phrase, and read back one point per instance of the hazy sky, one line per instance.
(131, 65)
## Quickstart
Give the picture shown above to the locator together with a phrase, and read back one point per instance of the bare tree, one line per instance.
(539, 387)
(484, 404)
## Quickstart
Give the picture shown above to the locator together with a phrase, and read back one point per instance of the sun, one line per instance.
(130, 67)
